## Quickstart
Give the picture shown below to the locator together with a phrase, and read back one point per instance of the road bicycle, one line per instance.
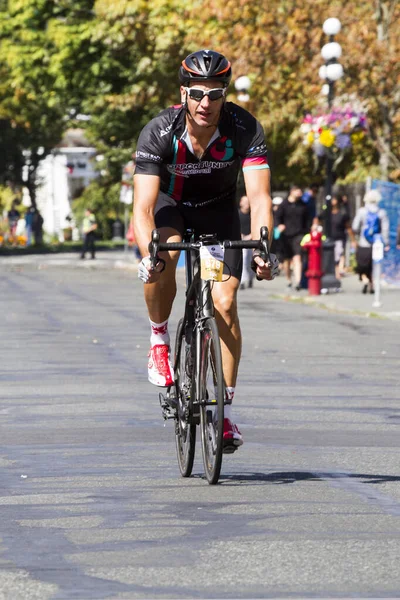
(197, 397)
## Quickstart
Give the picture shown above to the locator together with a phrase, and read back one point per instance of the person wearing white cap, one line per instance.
(276, 246)
(369, 221)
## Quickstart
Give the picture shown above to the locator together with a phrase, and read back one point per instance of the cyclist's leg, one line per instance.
(159, 296)
(225, 302)
(226, 313)
(223, 221)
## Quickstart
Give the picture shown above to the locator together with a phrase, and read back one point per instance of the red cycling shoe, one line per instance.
(232, 437)
(160, 371)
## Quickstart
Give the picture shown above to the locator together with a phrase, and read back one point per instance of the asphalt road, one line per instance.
(91, 501)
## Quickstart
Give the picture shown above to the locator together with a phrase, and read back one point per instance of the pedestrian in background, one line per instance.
(310, 200)
(293, 223)
(29, 215)
(13, 216)
(245, 229)
(346, 205)
(340, 229)
(276, 246)
(369, 220)
(37, 227)
(89, 236)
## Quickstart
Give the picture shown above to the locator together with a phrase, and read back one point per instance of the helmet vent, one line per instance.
(218, 63)
(205, 64)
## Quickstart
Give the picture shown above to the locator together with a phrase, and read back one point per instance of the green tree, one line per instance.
(115, 64)
(32, 111)
(277, 44)
(103, 200)
(372, 60)
(117, 69)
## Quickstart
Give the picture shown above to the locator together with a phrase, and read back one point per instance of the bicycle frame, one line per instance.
(199, 378)
(198, 307)
(196, 288)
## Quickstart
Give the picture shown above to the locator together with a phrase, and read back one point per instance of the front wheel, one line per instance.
(212, 397)
(185, 430)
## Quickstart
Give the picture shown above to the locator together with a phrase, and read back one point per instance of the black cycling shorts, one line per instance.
(221, 219)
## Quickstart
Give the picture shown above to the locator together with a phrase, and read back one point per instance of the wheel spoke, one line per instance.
(212, 387)
(185, 431)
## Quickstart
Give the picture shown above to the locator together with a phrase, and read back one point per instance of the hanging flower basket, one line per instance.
(332, 134)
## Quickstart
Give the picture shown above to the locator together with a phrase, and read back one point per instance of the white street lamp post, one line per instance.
(242, 86)
(330, 72)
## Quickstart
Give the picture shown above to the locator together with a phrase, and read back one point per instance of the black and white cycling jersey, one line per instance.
(164, 149)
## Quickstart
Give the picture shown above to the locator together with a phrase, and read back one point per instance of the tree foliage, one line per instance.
(118, 69)
(277, 44)
(115, 63)
(32, 111)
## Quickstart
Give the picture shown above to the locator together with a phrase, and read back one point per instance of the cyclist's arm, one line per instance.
(257, 184)
(146, 190)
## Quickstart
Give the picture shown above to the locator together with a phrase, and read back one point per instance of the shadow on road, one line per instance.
(293, 476)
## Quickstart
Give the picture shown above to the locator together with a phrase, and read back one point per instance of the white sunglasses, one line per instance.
(198, 94)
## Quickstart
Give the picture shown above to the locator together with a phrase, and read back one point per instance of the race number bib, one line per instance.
(211, 262)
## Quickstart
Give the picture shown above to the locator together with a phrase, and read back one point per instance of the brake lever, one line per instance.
(264, 249)
(264, 246)
(153, 249)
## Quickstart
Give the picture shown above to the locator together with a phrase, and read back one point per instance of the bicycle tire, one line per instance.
(211, 417)
(185, 431)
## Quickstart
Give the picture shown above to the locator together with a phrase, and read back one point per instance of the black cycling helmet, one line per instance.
(205, 64)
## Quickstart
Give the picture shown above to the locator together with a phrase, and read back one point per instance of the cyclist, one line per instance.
(187, 163)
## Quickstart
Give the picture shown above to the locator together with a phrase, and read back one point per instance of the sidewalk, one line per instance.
(350, 300)
(105, 259)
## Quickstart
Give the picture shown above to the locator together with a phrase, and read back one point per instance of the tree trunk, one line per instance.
(30, 184)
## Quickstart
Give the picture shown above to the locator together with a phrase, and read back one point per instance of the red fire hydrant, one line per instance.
(314, 272)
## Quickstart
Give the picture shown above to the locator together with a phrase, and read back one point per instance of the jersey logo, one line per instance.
(147, 156)
(201, 168)
(260, 148)
(222, 149)
(166, 130)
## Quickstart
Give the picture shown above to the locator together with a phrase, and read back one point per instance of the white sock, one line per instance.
(230, 392)
(228, 411)
(159, 333)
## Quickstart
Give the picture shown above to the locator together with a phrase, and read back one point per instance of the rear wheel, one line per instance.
(185, 429)
(212, 399)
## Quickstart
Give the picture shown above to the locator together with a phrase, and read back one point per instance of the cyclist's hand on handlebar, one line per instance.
(263, 271)
(146, 273)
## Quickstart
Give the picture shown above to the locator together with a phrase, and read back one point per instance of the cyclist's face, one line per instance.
(206, 112)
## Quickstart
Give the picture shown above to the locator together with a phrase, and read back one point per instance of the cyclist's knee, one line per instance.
(171, 259)
(226, 306)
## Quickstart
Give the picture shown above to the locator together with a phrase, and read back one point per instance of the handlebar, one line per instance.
(155, 246)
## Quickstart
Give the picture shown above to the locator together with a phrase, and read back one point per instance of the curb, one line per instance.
(310, 301)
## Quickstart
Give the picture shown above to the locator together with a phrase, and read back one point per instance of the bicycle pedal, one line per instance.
(168, 411)
(229, 449)
(171, 399)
